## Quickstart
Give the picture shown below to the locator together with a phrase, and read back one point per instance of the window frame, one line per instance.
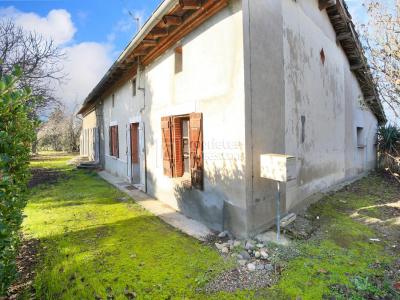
(183, 138)
(134, 87)
(173, 149)
(360, 137)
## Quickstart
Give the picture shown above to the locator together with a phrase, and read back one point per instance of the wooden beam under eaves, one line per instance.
(190, 4)
(323, 4)
(139, 53)
(170, 20)
(357, 67)
(149, 43)
(370, 99)
(344, 36)
(189, 23)
(158, 32)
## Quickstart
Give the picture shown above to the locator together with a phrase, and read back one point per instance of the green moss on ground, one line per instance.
(341, 251)
(95, 245)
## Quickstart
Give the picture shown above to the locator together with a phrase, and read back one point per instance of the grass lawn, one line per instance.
(95, 246)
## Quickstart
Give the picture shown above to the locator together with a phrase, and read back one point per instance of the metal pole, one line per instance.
(278, 212)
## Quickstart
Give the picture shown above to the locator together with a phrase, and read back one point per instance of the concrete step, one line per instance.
(88, 166)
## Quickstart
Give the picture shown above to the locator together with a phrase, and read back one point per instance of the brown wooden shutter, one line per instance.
(113, 140)
(134, 143)
(116, 142)
(177, 146)
(196, 150)
(166, 135)
(110, 138)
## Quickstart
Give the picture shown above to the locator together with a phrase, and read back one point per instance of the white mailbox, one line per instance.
(278, 167)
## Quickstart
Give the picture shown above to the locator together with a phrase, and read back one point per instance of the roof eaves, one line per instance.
(156, 17)
(348, 38)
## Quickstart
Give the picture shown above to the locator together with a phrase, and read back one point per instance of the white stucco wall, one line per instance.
(125, 107)
(285, 80)
(89, 136)
(328, 96)
(89, 120)
(211, 83)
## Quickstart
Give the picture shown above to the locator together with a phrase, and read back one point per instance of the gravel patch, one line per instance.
(241, 278)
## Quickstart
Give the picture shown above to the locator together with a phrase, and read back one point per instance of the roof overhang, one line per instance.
(171, 21)
(347, 37)
(174, 19)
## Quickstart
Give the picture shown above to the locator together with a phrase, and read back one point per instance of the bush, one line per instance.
(389, 148)
(389, 139)
(17, 132)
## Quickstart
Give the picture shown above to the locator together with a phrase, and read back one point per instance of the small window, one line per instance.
(178, 60)
(303, 129)
(113, 141)
(322, 55)
(134, 87)
(113, 100)
(360, 137)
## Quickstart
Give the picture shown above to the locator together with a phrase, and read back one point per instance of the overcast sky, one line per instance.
(92, 33)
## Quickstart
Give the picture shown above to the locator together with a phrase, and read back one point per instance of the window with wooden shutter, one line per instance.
(113, 141)
(182, 144)
(166, 136)
(196, 149)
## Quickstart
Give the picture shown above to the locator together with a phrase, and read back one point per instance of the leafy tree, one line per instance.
(17, 132)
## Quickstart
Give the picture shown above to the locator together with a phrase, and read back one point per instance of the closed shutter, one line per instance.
(134, 143)
(116, 142)
(113, 141)
(177, 146)
(110, 140)
(166, 135)
(196, 150)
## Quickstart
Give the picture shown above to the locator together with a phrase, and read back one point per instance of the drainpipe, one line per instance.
(142, 85)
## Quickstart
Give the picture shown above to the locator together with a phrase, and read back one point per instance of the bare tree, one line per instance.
(381, 39)
(61, 132)
(39, 58)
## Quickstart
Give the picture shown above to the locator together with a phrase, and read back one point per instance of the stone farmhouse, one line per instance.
(207, 86)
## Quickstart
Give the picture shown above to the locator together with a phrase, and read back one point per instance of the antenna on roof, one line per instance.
(136, 19)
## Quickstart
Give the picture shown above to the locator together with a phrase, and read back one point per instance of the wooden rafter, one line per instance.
(138, 53)
(347, 36)
(170, 20)
(190, 4)
(323, 4)
(210, 8)
(149, 43)
(158, 32)
(343, 36)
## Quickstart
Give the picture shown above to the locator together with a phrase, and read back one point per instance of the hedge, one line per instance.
(17, 132)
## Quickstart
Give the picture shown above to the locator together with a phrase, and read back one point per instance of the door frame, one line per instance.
(141, 153)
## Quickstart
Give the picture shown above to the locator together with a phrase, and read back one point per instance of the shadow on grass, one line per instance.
(141, 253)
